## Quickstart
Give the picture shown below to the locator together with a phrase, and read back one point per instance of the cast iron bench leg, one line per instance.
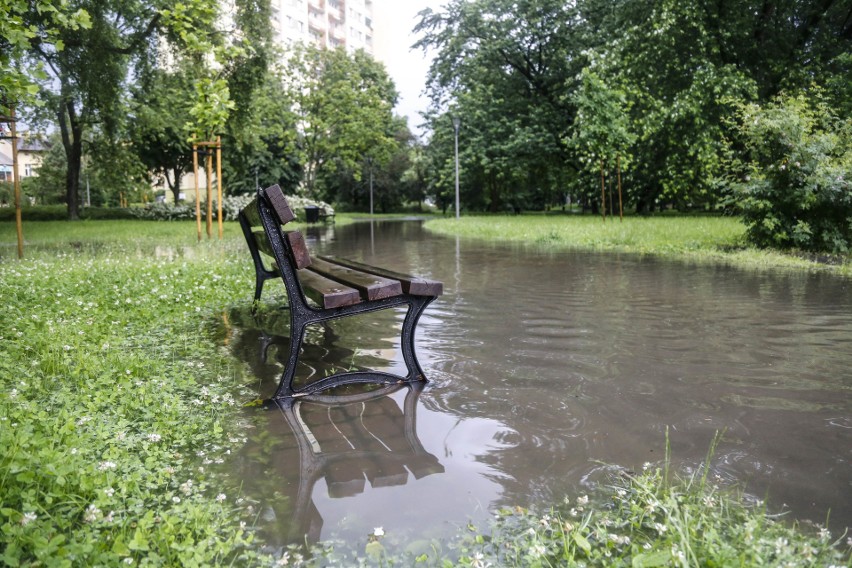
(406, 340)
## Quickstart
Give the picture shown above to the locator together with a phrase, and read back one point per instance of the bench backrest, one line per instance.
(273, 198)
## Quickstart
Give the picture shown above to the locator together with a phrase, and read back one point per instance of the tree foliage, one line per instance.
(543, 86)
(796, 184)
(343, 105)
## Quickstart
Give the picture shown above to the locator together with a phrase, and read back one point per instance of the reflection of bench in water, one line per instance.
(352, 440)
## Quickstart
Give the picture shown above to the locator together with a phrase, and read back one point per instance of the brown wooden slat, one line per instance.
(301, 257)
(414, 285)
(370, 286)
(279, 204)
(325, 292)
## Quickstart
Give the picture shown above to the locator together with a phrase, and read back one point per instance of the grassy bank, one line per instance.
(696, 238)
(116, 402)
(112, 399)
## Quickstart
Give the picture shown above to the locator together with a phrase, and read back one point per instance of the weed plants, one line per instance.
(113, 407)
(648, 520)
(694, 238)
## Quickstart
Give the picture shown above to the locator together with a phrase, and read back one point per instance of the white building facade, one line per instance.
(328, 23)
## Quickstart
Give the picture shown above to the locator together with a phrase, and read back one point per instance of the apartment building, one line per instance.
(329, 23)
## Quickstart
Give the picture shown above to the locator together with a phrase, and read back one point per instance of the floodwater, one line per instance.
(547, 369)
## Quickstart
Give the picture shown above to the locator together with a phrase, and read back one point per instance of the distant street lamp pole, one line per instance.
(370, 161)
(456, 124)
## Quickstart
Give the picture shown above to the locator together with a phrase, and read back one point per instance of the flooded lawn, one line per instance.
(544, 370)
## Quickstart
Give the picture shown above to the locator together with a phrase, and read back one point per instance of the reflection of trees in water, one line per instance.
(349, 437)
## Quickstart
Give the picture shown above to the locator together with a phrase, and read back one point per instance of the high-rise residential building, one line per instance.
(328, 23)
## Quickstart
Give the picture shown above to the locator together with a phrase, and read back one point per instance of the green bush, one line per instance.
(795, 187)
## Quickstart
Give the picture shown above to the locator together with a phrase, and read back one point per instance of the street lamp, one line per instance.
(456, 124)
(370, 161)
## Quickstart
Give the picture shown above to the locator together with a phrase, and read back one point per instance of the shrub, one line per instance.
(231, 205)
(795, 187)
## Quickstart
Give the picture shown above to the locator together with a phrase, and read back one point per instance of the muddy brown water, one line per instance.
(547, 370)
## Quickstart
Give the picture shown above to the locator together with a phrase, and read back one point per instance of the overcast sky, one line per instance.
(407, 67)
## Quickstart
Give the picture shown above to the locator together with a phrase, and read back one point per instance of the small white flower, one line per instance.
(220, 497)
(537, 550)
(660, 528)
(13, 393)
(105, 465)
(379, 531)
(583, 500)
(92, 514)
(154, 437)
(128, 560)
(66, 347)
(73, 451)
(175, 499)
(28, 518)
(109, 491)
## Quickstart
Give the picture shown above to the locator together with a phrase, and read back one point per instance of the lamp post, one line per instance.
(370, 161)
(456, 124)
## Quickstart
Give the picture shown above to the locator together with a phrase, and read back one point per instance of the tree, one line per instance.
(160, 110)
(503, 67)
(261, 140)
(602, 135)
(19, 32)
(343, 105)
(796, 182)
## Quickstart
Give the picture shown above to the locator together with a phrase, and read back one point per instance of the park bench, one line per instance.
(336, 288)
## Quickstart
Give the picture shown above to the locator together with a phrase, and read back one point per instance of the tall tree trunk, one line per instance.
(71, 129)
(175, 186)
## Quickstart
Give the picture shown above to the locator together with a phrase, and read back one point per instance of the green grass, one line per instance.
(116, 401)
(694, 238)
(112, 396)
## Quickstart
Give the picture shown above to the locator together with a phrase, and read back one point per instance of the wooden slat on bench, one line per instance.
(410, 284)
(279, 204)
(372, 287)
(301, 257)
(325, 292)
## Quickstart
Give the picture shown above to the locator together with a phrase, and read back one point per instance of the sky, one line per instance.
(406, 67)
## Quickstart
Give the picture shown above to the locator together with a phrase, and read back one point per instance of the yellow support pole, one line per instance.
(209, 163)
(16, 180)
(219, 183)
(197, 199)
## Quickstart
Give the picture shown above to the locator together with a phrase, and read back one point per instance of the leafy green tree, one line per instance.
(502, 67)
(160, 109)
(261, 141)
(796, 184)
(602, 130)
(19, 32)
(343, 105)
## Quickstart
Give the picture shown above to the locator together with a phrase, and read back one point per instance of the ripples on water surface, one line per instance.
(544, 365)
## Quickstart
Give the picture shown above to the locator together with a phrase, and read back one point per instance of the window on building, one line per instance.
(28, 170)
